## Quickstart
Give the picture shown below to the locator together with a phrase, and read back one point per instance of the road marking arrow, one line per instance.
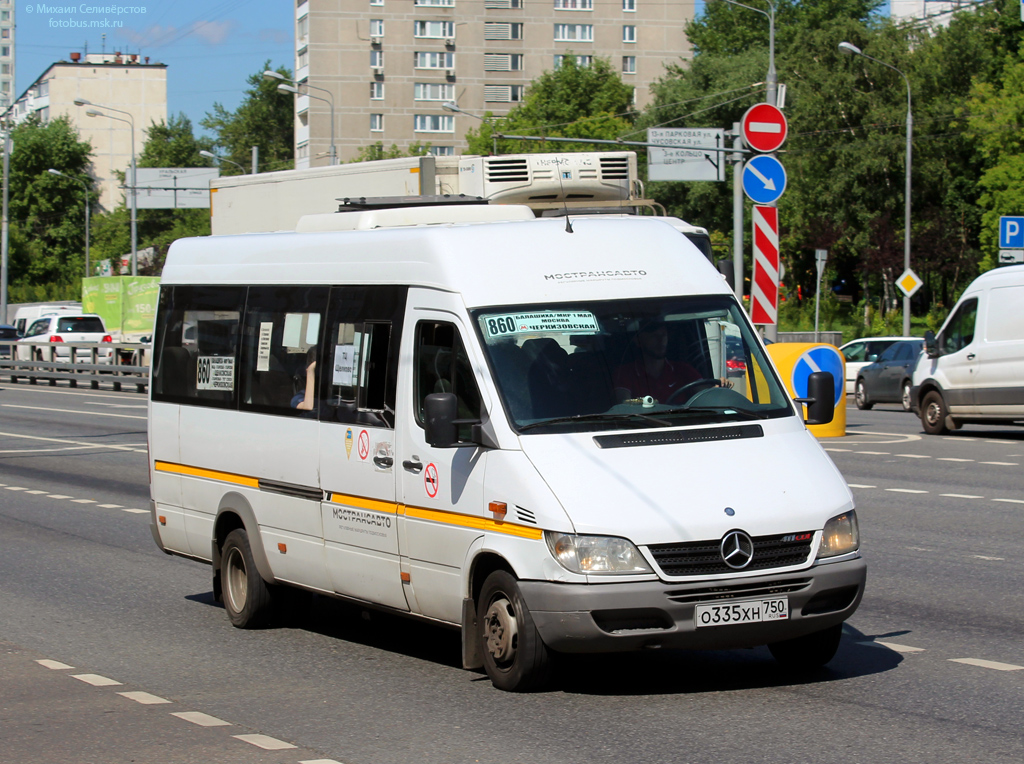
(769, 184)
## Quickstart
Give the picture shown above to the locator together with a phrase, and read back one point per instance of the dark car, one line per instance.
(887, 380)
(8, 334)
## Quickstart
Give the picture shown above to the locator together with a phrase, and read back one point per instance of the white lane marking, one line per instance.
(265, 742)
(962, 440)
(137, 511)
(904, 490)
(43, 450)
(35, 493)
(1003, 464)
(111, 506)
(987, 664)
(899, 438)
(320, 761)
(137, 447)
(961, 496)
(900, 648)
(873, 453)
(56, 496)
(117, 405)
(82, 501)
(953, 459)
(920, 549)
(55, 665)
(856, 485)
(77, 393)
(96, 680)
(1010, 501)
(70, 411)
(914, 456)
(203, 720)
(15, 488)
(144, 698)
(990, 559)
(839, 449)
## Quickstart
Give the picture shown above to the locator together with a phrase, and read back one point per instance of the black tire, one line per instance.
(860, 396)
(246, 595)
(933, 413)
(809, 652)
(515, 657)
(905, 395)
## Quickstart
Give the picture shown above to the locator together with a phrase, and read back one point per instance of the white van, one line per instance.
(973, 371)
(521, 431)
(27, 314)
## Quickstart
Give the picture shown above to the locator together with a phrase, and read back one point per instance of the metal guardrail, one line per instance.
(128, 364)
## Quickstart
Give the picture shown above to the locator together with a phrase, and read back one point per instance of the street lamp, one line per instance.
(218, 158)
(772, 80)
(454, 107)
(853, 50)
(131, 122)
(292, 86)
(87, 205)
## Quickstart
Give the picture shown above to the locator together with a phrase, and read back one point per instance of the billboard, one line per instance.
(174, 188)
(127, 304)
(688, 157)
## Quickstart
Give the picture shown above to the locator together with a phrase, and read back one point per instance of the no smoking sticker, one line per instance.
(430, 481)
(363, 444)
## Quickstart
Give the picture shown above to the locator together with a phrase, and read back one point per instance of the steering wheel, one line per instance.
(692, 388)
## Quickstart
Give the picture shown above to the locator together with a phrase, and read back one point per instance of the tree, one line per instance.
(572, 101)
(377, 151)
(47, 212)
(265, 118)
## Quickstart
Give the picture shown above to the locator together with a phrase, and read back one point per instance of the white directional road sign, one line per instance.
(682, 162)
(169, 188)
(764, 179)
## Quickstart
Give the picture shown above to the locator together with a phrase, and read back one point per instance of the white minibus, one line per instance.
(520, 428)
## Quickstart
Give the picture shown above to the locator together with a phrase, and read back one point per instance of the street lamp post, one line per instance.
(218, 158)
(852, 49)
(131, 122)
(452, 106)
(87, 205)
(772, 80)
(293, 86)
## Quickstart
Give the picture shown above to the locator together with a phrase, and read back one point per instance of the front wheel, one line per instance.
(809, 652)
(515, 657)
(905, 396)
(933, 414)
(246, 594)
(860, 395)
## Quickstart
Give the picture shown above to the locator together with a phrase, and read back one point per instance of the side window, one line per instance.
(959, 332)
(855, 352)
(196, 345)
(442, 366)
(282, 337)
(38, 327)
(361, 355)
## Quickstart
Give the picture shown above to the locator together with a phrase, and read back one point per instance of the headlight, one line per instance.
(840, 536)
(596, 554)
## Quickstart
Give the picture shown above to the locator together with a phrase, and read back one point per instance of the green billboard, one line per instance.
(127, 304)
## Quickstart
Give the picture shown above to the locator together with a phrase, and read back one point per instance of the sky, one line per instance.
(210, 47)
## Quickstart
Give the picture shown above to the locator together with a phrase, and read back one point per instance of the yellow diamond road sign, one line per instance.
(909, 282)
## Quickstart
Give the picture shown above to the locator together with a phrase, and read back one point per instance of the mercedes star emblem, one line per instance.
(737, 549)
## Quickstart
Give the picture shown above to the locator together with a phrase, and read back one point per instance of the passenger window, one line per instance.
(283, 328)
(196, 345)
(442, 366)
(39, 327)
(855, 352)
(959, 333)
(361, 355)
(890, 354)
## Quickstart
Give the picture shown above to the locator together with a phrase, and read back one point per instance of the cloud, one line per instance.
(213, 32)
(148, 35)
(276, 36)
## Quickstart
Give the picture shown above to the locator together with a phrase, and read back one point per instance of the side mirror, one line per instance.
(820, 400)
(728, 270)
(440, 410)
(931, 345)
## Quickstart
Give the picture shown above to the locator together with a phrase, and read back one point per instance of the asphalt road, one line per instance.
(931, 668)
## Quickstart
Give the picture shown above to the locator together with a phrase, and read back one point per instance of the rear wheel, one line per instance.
(860, 395)
(905, 395)
(933, 413)
(515, 657)
(246, 594)
(809, 652)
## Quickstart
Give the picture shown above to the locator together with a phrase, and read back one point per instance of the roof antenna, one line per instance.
(565, 204)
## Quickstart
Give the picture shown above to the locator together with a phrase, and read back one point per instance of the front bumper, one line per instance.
(597, 618)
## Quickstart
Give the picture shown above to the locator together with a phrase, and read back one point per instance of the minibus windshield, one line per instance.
(628, 364)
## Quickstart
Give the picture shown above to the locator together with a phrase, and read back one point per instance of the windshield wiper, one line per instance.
(714, 410)
(598, 418)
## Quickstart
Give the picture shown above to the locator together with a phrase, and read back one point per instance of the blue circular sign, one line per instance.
(764, 179)
(820, 358)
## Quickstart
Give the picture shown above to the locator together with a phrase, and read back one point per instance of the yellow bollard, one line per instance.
(795, 362)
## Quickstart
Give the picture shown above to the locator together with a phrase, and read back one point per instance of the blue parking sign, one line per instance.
(1011, 232)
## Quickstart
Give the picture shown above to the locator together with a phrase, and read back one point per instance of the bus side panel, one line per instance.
(165, 487)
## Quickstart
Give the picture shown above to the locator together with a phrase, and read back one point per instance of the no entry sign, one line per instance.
(764, 127)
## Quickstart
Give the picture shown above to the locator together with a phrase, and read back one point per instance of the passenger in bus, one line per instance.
(304, 399)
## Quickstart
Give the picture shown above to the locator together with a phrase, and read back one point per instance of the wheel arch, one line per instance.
(926, 387)
(235, 512)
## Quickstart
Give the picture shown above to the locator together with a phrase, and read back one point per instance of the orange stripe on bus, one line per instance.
(374, 505)
(225, 477)
(469, 521)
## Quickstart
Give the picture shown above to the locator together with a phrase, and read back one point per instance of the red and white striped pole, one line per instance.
(764, 289)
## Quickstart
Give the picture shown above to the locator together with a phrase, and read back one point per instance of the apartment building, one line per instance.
(389, 65)
(6, 53)
(134, 92)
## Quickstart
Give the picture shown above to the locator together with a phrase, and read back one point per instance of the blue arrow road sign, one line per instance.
(1011, 232)
(820, 358)
(764, 179)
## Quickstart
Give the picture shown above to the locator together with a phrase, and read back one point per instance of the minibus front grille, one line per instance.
(704, 558)
(739, 591)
